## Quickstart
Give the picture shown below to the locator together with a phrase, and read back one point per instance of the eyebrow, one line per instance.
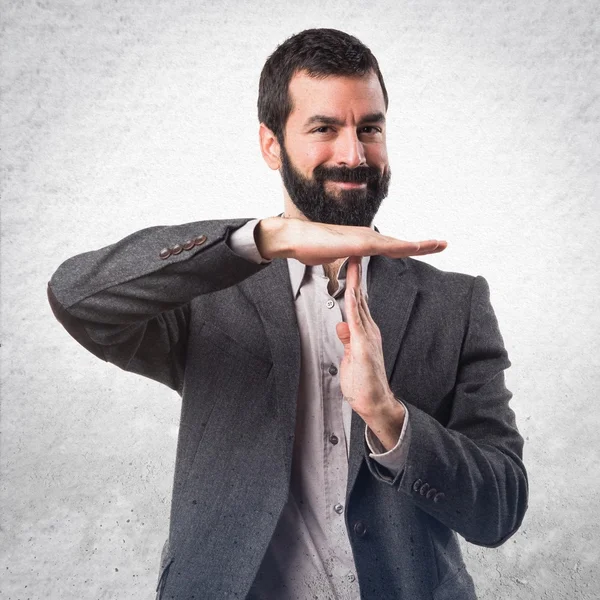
(377, 117)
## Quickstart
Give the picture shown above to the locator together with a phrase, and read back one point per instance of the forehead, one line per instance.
(335, 95)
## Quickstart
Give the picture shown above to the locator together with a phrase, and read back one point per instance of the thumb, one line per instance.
(343, 332)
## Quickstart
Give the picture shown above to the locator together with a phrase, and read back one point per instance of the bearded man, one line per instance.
(344, 414)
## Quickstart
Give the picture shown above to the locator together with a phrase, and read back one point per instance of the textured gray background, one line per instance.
(120, 115)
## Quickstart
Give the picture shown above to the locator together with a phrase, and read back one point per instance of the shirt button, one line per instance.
(330, 303)
(333, 370)
(351, 577)
(333, 439)
(339, 509)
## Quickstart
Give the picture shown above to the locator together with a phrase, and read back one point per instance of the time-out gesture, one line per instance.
(317, 243)
(363, 380)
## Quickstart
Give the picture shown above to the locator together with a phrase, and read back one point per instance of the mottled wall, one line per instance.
(120, 115)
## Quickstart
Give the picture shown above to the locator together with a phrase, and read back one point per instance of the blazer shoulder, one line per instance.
(430, 278)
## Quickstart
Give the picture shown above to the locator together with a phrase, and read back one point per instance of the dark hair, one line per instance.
(320, 52)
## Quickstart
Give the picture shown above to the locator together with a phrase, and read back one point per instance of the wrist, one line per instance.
(268, 236)
(387, 422)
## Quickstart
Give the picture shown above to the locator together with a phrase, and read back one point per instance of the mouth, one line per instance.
(346, 185)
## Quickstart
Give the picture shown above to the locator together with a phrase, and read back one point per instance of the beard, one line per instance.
(348, 207)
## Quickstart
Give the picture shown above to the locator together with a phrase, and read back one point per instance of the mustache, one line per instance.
(346, 175)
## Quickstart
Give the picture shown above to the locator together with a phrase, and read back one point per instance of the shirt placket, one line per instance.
(335, 458)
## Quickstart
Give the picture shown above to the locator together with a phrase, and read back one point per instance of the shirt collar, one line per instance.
(298, 271)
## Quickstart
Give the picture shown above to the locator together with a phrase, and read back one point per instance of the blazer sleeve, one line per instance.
(469, 474)
(128, 303)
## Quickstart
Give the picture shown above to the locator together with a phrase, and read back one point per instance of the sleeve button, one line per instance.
(417, 485)
(431, 493)
(424, 489)
(439, 497)
(188, 245)
(177, 249)
(165, 253)
(199, 240)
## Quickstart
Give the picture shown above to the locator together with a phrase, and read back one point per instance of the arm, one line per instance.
(128, 303)
(469, 473)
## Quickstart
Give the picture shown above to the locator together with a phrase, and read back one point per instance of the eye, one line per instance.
(370, 129)
(322, 129)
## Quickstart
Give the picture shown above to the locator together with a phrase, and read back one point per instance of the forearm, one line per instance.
(132, 280)
(477, 489)
(464, 458)
(130, 306)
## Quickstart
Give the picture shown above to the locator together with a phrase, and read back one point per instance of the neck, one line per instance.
(290, 211)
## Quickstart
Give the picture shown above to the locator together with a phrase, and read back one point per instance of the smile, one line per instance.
(346, 185)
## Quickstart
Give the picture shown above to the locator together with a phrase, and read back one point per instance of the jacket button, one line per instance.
(177, 249)
(431, 493)
(199, 240)
(333, 439)
(417, 485)
(165, 253)
(439, 497)
(360, 528)
(424, 489)
(188, 245)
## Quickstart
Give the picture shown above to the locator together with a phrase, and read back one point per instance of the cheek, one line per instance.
(316, 154)
(377, 156)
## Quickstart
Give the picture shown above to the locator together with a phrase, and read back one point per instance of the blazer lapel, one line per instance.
(391, 292)
(271, 291)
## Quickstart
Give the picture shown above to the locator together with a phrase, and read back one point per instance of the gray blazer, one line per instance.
(222, 331)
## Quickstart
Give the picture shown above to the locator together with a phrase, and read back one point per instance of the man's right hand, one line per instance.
(318, 243)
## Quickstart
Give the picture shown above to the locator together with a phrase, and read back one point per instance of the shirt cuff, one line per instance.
(394, 459)
(242, 243)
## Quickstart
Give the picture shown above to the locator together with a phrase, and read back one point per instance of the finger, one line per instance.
(353, 315)
(363, 312)
(432, 247)
(367, 320)
(343, 332)
(352, 272)
(353, 275)
(402, 249)
(363, 305)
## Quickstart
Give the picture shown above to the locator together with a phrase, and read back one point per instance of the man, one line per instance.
(344, 412)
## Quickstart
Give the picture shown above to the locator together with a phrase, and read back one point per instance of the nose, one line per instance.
(349, 150)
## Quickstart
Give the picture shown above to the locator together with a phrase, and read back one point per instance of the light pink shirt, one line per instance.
(310, 554)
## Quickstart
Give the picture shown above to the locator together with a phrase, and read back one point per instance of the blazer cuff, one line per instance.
(242, 243)
(393, 460)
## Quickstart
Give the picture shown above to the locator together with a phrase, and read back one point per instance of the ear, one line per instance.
(269, 146)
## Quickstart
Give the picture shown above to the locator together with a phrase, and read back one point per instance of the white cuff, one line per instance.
(393, 459)
(242, 243)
